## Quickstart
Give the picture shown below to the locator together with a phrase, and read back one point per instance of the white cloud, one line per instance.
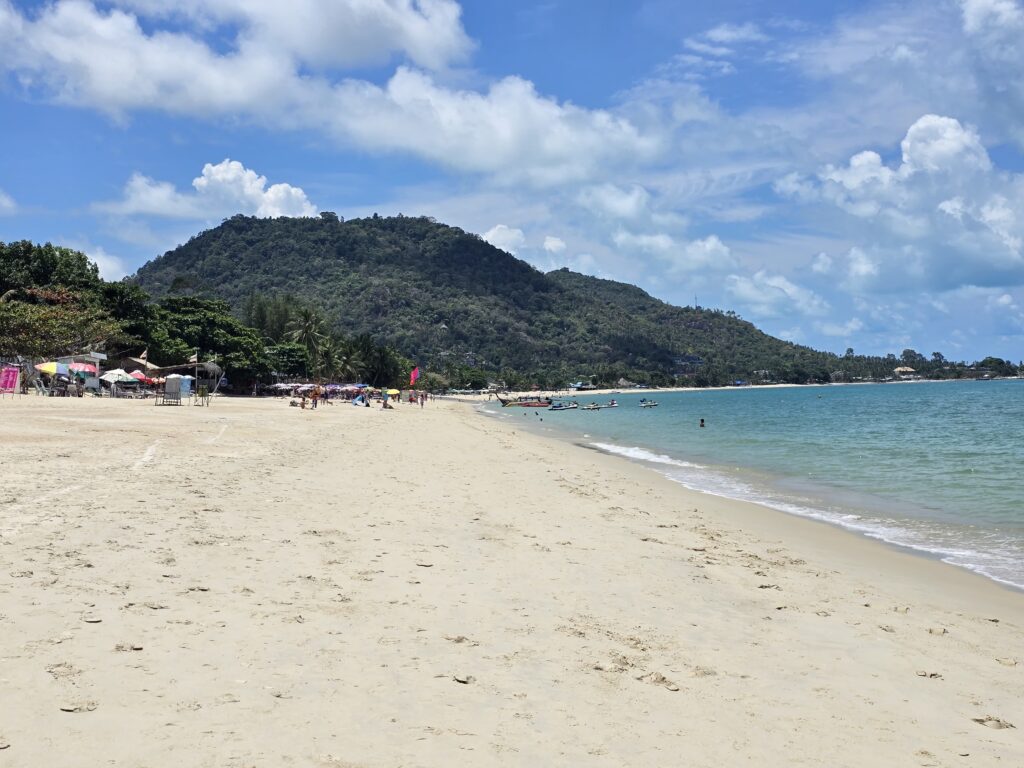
(982, 15)
(843, 330)
(79, 55)
(736, 33)
(506, 238)
(708, 253)
(7, 204)
(554, 245)
(614, 201)
(658, 243)
(822, 264)
(942, 217)
(223, 189)
(706, 48)
(345, 33)
(230, 184)
(860, 265)
(111, 267)
(768, 295)
(941, 144)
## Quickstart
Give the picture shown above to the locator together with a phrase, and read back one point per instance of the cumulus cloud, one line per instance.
(841, 330)
(860, 265)
(706, 254)
(615, 201)
(111, 267)
(554, 245)
(279, 70)
(506, 238)
(822, 264)
(340, 33)
(983, 15)
(657, 243)
(7, 204)
(768, 295)
(223, 189)
(943, 217)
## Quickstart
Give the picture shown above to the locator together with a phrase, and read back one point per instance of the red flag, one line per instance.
(414, 375)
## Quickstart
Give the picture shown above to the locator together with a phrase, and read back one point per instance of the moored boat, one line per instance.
(564, 406)
(525, 402)
(645, 403)
(600, 406)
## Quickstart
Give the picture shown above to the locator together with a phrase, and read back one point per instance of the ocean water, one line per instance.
(934, 466)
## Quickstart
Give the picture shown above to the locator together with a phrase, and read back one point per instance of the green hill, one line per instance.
(444, 297)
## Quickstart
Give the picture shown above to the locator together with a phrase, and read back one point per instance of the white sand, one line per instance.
(308, 588)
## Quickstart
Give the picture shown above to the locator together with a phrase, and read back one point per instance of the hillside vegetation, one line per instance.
(445, 298)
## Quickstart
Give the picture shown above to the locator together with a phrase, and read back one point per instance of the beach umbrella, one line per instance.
(82, 367)
(117, 375)
(394, 392)
(138, 375)
(52, 368)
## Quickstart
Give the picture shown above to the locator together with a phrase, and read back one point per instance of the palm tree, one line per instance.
(351, 363)
(306, 328)
(328, 360)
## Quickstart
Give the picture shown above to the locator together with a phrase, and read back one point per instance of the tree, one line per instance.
(182, 324)
(26, 265)
(53, 323)
(288, 359)
(306, 328)
(328, 359)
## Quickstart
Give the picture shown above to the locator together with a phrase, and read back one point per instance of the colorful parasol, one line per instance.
(116, 375)
(394, 392)
(53, 368)
(82, 367)
(139, 375)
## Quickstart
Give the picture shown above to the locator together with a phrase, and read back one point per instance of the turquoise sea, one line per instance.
(934, 466)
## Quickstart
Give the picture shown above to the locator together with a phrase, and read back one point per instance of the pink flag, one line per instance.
(414, 375)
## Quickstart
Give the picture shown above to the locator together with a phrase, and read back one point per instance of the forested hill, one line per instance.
(445, 297)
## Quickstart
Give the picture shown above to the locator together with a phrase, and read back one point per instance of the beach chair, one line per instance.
(41, 388)
(171, 394)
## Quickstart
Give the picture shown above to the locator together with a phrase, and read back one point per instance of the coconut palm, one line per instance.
(306, 328)
(351, 363)
(328, 358)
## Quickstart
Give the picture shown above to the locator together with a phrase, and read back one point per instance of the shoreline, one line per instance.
(254, 584)
(866, 520)
(565, 436)
(565, 394)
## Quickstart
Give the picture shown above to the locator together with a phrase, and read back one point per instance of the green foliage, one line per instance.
(288, 359)
(183, 324)
(26, 265)
(51, 323)
(450, 301)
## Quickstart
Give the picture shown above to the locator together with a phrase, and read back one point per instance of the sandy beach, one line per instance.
(253, 585)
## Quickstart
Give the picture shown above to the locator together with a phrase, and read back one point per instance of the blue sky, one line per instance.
(842, 174)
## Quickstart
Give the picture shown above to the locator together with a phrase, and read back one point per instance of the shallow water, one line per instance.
(934, 466)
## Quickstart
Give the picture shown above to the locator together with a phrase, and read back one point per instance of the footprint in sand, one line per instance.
(992, 722)
(461, 640)
(78, 706)
(656, 678)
